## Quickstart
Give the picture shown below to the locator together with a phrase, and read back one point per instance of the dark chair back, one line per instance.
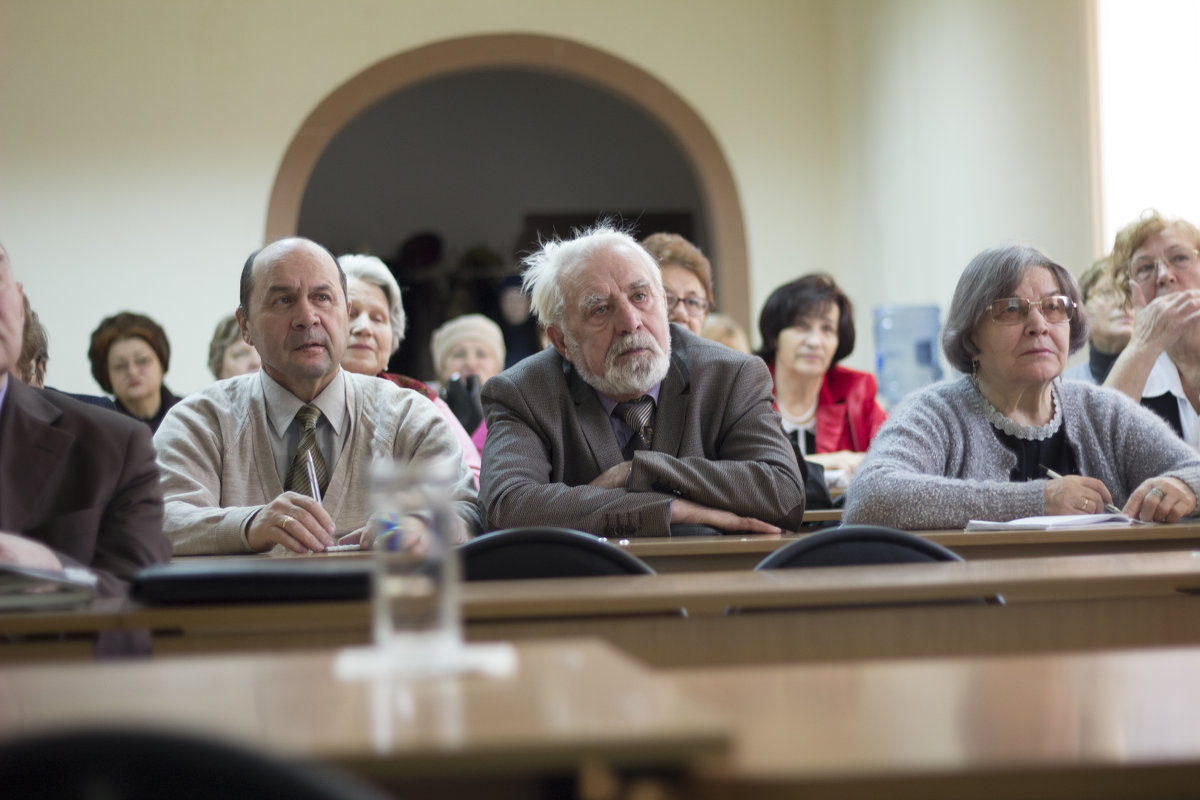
(131, 764)
(851, 545)
(860, 545)
(521, 553)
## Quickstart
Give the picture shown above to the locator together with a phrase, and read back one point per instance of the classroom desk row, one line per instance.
(1099, 724)
(786, 615)
(743, 551)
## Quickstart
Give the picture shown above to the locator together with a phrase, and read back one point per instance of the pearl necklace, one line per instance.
(802, 420)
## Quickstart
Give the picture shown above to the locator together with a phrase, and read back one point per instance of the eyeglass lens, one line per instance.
(693, 306)
(1014, 310)
(1177, 259)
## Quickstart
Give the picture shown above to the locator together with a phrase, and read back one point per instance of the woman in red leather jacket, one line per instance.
(828, 411)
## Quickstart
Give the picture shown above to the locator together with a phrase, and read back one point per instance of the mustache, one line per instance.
(632, 341)
(309, 336)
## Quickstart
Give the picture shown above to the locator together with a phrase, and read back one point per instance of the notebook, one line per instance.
(27, 588)
(1056, 521)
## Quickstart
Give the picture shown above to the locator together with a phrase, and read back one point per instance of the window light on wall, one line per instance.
(1148, 61)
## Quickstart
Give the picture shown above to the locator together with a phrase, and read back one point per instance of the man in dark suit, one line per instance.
(629, 425)
(79, 486)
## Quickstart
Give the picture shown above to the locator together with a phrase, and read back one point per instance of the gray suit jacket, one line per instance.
(717, 442)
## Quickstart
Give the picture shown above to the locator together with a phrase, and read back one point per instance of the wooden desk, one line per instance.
(1073, 542)
(1082, 602)
(714, 553)
(61, 633)
(568, 702)
(1083, 725)
(1073, 602)
(1031, 579)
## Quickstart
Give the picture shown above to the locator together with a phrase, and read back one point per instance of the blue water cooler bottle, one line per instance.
(906, 350)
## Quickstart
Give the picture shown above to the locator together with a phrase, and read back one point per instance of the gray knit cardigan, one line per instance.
(937, 463)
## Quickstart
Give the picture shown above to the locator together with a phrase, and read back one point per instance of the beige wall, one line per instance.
(962, 125)
(884, 141)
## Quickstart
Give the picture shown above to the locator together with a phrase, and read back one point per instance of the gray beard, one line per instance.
(635, 376)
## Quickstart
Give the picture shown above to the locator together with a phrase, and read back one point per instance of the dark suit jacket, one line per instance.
(717, 442)
(83, 481)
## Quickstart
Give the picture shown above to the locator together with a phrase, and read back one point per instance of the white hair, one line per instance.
(373, 271)
(544, 270)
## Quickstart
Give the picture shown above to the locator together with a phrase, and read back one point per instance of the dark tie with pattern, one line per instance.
(637, 415)
(297, 474)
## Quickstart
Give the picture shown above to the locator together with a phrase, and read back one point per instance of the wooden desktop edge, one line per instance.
(1077, 577)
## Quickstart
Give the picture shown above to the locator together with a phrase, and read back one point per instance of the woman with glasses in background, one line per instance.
(828, 411)
(1156, 261)
(1111, 318)
(1010, 439)
(686, 277)
(130, 355)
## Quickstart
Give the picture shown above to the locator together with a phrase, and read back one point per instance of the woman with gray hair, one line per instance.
(376, 331)
(1010, 439)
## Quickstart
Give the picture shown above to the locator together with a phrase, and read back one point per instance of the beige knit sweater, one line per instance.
(217, 467)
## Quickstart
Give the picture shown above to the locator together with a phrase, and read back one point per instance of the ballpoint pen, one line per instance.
(312, 475)
(1109, 507)
(316, 493)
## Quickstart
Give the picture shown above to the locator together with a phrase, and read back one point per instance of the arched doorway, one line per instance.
(723, 214)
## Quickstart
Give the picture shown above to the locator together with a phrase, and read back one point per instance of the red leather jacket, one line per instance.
(848, 416)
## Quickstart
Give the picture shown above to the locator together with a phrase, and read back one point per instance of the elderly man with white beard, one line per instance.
(628, 424)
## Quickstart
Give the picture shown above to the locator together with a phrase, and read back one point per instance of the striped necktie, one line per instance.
(637, 414)
(297, 474)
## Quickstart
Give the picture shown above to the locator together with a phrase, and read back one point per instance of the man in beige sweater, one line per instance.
(234, 456)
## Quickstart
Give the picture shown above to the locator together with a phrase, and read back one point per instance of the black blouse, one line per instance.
(1033, 457)
(166, 400)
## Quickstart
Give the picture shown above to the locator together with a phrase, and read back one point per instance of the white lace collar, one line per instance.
(1032, 433)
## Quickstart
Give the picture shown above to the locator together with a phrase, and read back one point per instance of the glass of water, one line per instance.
(415, 609)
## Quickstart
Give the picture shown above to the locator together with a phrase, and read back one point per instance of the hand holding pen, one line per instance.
(1076, 494)
(298, 522)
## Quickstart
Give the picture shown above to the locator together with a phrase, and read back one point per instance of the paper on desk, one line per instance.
(837, 478)
(1056, 521)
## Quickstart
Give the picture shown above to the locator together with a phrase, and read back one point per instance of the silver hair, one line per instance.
(993, 275)
(545, 269)
(373, 271)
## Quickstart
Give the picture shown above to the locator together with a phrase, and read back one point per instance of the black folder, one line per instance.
(253, 580)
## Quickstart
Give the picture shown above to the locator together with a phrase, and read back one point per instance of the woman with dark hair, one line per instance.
(130, 354)
(1010, 439)
(829, 411)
